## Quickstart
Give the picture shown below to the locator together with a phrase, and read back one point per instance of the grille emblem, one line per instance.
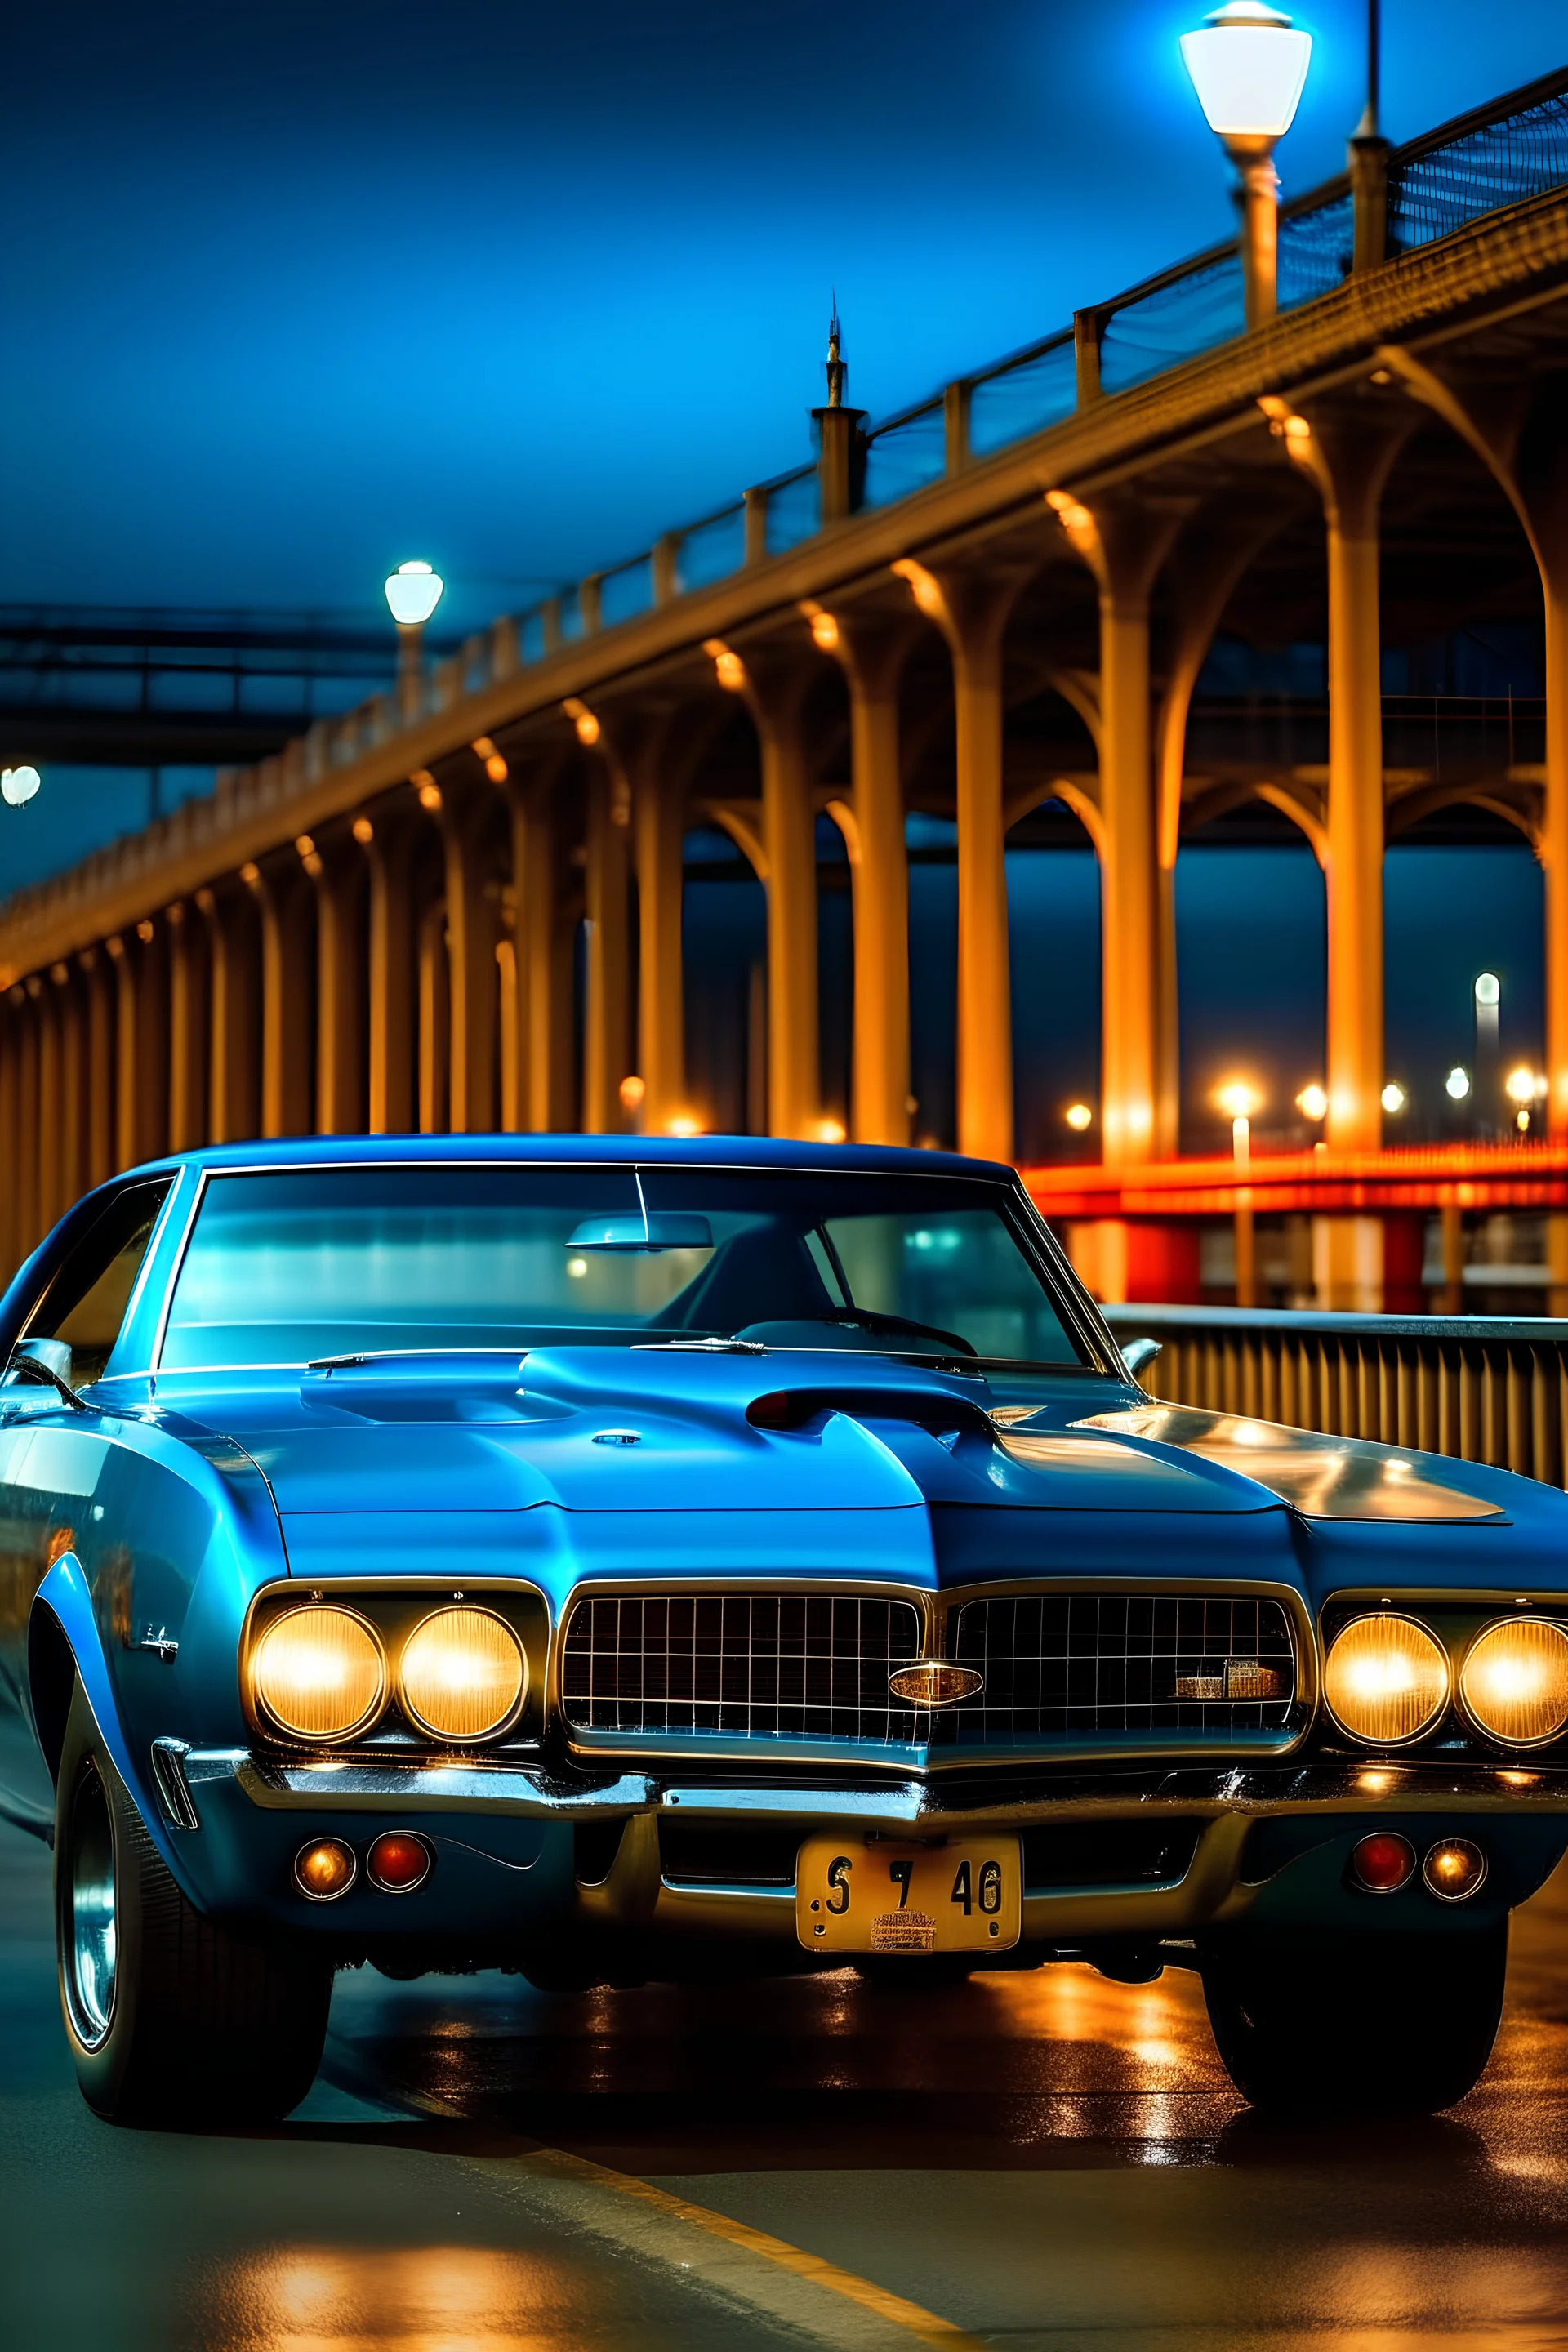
(931, 1683)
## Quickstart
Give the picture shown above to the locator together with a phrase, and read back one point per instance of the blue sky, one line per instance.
(291, 290)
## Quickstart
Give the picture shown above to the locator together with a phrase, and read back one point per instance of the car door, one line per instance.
(52, 1457)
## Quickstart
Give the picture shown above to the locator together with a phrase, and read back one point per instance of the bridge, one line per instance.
(459, 905)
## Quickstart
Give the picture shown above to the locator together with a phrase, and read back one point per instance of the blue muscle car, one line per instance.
(613, 1559)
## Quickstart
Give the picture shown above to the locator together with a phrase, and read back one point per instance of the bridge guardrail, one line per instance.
(1483, 1388)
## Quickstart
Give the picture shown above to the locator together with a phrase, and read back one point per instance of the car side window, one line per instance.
(85, 1304)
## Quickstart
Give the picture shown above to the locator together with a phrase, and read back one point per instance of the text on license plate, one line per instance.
(859, 1896)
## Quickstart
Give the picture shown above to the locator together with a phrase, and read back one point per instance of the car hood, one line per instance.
(666, 1430)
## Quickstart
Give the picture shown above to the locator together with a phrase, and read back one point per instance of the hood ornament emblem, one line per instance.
(931, 1681)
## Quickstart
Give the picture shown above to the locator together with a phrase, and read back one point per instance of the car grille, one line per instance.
(1085, 1665)
(755, 1666)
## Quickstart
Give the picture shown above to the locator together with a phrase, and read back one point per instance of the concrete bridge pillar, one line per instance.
(392, 964)
(471, 961)
(1124, 541)
(141, 1046)
(337, 869)
(285, 904)
(98, 1080)
(606, 1042)
(972, 614)
(26, 1225)
(189, 1004)
(872, 654)
(46, 1014)
(12, 1130)
(774, 693)
(540, 1021)
(233, 1014)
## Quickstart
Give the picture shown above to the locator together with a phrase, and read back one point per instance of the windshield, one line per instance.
(295, 1266)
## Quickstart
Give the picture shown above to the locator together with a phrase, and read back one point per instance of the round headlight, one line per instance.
(1385, 1679)
(463, 1676)
(1514, 1681)
(318, 1674)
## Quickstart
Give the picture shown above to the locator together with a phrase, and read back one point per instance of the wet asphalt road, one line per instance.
(1028, 2161)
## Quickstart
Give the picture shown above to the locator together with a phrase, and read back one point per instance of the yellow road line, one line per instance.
(896, 2309)
(558, 2164)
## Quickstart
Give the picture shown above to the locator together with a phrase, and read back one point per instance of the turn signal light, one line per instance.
(398, 1862)
(325, 1870)
(1454, 1869)
(1383, 1863)
(318, 1674)
(1385, 1679)
(462, 1674)
(1514, 1681)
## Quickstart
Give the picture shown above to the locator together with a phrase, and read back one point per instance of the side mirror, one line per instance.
(1137, 1353)
(45, 1363)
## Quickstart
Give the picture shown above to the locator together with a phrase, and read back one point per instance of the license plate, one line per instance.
(857, 1895)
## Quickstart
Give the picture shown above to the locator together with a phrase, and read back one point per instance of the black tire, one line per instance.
(172, 2018)
(1395, 2025)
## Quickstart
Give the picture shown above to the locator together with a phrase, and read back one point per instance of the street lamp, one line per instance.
(17, 786)
(413, 592)
(1238, 1101)
(1247, 64)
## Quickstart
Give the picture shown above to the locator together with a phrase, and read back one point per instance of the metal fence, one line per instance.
(1483, 1388)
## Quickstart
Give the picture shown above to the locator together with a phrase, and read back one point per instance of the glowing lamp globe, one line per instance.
(413, 591)
(1247, 65)
(17, 786)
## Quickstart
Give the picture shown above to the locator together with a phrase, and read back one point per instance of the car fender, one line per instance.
(64, 1646)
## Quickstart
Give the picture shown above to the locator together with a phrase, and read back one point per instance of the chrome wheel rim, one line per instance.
(89, 1940)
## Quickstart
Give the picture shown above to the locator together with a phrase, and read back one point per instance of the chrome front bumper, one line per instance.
(1216, 1890)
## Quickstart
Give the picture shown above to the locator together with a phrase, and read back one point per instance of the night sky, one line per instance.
(291, 291)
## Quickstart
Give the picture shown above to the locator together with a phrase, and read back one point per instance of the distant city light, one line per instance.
(1247, 65)
(632, 1091)
(1393, 1099)
(1522, 1085)
(413, 592)
(1312, 1102)
(1239, 1100)
(1079, 1117)
(1456, 1085)
(17, 786)
(684, 1125)
(830, 1130)
(1488, 988)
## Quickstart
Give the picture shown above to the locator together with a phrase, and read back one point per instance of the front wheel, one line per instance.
(172, 2018)
(1402, 2024)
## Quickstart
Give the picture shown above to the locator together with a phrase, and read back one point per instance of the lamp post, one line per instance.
(1247, 64)
(1240, 1101)
(413, 592)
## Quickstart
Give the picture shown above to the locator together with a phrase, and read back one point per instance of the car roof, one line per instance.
(746, 1151)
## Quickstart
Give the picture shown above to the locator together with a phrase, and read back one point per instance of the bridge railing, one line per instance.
(1481, 1387)
(1504, 153)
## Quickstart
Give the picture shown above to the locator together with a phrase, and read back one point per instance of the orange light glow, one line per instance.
(1312, 1102)
(249, 875)
(145, 931)
(1240, 1100)
(325, 1869)
(633, 1092)
(924, 586)
(304, 845)
(825, 630)
(1079, 1117)
(363, 831)
(430, 795)
(582, 719)
(830, 1130)
(683, 1125)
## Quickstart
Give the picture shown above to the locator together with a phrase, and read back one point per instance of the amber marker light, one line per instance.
(398, 1862)
(1385, 1679)
(1383, 1862)
(325, 1870)
(1514, 1681)
(1454, 1869)
(462, 1676)
(318, 1674)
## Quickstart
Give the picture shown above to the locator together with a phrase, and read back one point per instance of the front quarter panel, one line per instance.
(149, 1577)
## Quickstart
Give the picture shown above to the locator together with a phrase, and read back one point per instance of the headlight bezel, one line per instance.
(1474, 1721)
(260, 1707)
(1379, 1742)
(395, 1607)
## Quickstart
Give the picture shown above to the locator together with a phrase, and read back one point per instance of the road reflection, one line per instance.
(418, 2299)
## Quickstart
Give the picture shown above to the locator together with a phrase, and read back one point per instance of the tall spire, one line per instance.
(838, 373)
